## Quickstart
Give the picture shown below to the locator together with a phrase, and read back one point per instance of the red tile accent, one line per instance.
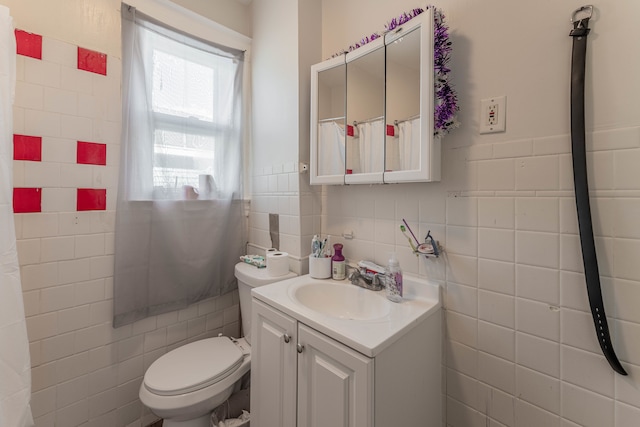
(29, 44)
(391, 130)
(27, 148)
(91, 153)
(92, 61)
(91, 199)
(27, 200)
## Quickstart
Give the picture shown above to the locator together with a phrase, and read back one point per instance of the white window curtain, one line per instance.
(180, 224)
(15, 364)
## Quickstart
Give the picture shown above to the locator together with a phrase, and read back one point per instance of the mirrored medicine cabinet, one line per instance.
(372, 111)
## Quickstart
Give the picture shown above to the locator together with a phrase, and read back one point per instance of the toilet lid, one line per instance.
(193, 366)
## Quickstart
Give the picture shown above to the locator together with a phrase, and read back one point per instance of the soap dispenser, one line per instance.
(393, 282)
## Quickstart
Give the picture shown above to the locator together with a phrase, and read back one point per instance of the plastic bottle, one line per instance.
(338, 266)
(393, 282)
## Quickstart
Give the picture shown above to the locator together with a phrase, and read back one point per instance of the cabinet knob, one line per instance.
(287, 338)
(300, 348)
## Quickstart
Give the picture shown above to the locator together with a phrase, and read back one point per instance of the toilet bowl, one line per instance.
(186, 384)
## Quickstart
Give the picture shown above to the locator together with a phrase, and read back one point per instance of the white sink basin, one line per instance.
(345, 301)
(362, 319)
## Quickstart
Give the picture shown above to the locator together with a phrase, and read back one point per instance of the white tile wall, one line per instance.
(84, 371)
(521, 349)
(496, 340)
(586, 408)
(538, 354)
(280, 189)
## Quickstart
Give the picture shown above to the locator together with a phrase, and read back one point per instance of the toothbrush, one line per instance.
(404, 231)
(315, 246)
(409, 228)
(325, 245)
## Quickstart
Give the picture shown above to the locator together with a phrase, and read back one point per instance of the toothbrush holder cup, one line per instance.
(319, 268)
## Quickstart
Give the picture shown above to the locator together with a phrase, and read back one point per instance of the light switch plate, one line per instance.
(493, 114)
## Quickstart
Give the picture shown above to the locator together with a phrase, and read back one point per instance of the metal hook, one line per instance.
(434, 243)
(588, 9)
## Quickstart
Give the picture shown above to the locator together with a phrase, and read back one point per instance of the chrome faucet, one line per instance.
(365, 280)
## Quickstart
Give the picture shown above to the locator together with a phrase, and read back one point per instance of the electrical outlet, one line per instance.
(493, 114)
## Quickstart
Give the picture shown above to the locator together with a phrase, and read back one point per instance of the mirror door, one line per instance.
(328, 107)
(365, 114)
(411, 151)
(403, 103)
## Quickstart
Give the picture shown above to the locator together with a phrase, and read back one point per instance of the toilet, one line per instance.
(186, 384)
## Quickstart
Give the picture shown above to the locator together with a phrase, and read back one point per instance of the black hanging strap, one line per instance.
(592, 275)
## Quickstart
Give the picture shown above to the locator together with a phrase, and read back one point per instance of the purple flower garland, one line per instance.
(446, 106)
(403, 19)
(446, 100)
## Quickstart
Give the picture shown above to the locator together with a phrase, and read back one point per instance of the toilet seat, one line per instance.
(193, 366)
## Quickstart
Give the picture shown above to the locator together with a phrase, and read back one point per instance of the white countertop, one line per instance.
(421, 299)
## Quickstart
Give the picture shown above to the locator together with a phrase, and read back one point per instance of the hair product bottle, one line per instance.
(338, 266)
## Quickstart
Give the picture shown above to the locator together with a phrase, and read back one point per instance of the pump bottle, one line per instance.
(393, 282)
(338, 265)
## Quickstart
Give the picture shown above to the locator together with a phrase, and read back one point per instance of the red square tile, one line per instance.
(27, 148)
(27, 200)
(92, 61)
(28, 44)
(91, 153)
(92, 199)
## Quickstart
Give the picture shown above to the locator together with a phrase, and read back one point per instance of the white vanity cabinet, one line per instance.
(335, 383)
(302, 377)
(273, 367)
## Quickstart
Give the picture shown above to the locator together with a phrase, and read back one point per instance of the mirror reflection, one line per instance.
(365, 113)
(331, 120)
(403, 103)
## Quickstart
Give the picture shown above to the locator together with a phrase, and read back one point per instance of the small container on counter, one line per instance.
(393, 282)
(320, 267)
(338, 265)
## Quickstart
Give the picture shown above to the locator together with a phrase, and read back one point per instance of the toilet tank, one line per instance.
(249, 277)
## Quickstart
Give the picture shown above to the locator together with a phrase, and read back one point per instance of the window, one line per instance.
(196, 90)
(191, 101)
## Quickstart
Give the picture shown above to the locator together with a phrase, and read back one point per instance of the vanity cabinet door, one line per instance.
(273, 367)
(335, 383)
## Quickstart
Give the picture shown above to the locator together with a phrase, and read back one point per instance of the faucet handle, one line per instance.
(375, 280)
(372, 278)
(352, 272)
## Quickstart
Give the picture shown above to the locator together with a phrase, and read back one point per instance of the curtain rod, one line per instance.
(396, 122)
(332, 119)
(373, 119)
